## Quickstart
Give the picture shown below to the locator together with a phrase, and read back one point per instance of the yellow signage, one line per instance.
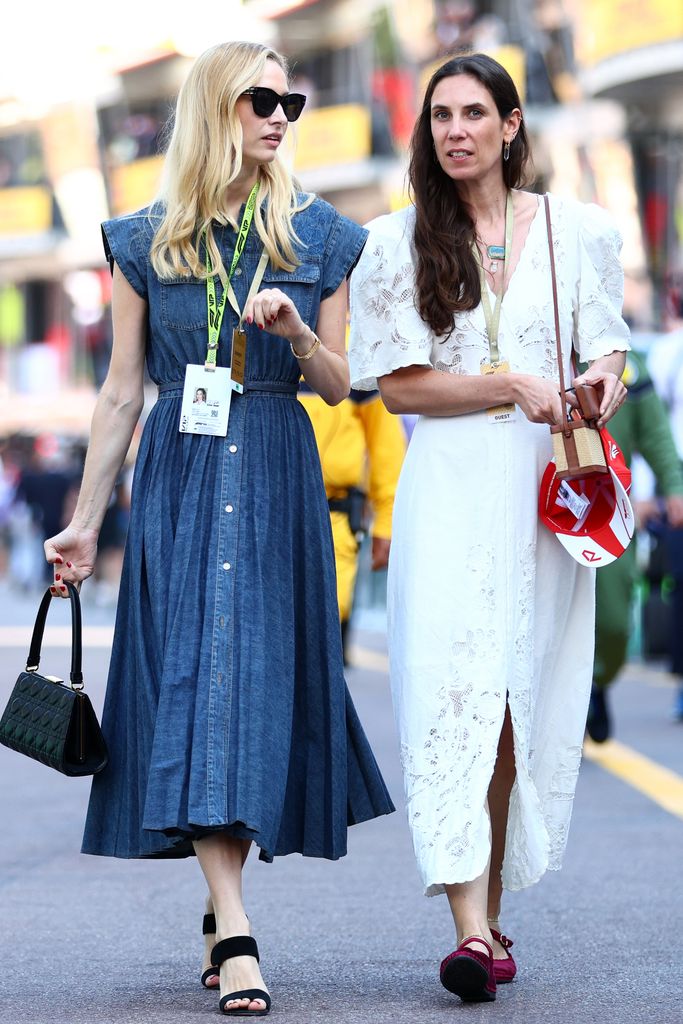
(511, 57)
(605, 28)
(332, 135)
(134, 185)
(25, 211)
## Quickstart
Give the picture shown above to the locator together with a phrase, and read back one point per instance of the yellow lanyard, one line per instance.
(492, 317)
(215, 312)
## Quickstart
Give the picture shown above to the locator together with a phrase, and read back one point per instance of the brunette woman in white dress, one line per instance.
(490, 619)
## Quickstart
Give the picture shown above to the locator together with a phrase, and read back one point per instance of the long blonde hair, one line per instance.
(204, 157)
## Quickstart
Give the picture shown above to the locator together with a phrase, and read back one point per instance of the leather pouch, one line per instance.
(589, 402)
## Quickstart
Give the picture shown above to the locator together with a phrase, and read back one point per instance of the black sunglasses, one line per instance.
(264, 101)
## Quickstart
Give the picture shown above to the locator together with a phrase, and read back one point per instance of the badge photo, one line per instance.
(206, 401)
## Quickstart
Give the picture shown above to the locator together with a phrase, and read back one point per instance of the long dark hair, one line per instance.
(446, 278)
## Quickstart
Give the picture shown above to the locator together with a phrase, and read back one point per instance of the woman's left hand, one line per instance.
(612, 392)
(275, 311)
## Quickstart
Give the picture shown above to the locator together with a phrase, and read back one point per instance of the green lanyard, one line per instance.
(492, 317)
(215, 312)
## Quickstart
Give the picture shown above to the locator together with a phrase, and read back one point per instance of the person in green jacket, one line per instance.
(641, 425)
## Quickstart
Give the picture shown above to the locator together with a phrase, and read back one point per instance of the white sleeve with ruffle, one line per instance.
(598, 324)
(387, 332)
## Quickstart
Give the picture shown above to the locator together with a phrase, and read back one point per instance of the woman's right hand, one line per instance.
(539, 399)
(73, 553)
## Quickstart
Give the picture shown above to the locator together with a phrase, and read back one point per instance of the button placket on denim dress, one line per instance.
(226, 705)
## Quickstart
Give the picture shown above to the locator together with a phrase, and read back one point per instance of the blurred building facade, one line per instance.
(602, 99)
(632, 54)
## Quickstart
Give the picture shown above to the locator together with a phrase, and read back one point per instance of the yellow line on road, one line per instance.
(656, 782)
(660, 784)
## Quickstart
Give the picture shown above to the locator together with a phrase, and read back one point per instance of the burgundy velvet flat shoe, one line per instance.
(469, 972)
(504, 970)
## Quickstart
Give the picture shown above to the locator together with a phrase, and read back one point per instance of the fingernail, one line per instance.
(57, 576)
(58, 559)
(250, 320)
(62, 587)
(68, 565)
(260, 327)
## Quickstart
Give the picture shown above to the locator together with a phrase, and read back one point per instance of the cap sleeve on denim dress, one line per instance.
(387, 332)
(126, 243)
(345, 241)
(600, 328)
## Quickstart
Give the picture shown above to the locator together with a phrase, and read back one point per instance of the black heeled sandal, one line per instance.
(209, 928)
(226, 949)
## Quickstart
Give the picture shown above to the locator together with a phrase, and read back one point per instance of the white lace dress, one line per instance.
(483, 600)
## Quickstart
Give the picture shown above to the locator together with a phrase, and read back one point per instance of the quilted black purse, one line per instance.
(47, 720)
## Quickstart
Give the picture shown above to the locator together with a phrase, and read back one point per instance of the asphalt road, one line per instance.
(86, 940)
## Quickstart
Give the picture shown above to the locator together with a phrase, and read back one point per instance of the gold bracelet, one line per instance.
(312, 350)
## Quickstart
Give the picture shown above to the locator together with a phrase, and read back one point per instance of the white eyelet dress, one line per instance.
(485, 605)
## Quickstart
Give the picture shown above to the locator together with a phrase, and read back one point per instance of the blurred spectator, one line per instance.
(47, 486)
(361, 447)
(111, 543)
(8, 486)
(641, 425)
(454, 26)
(665, 363)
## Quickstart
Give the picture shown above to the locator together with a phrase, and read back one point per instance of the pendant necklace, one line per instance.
(495, 253)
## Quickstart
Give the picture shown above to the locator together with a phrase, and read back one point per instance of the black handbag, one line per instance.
(47, 720)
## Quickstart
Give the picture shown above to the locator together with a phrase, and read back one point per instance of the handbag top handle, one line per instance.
(33, 662)
(553, 278)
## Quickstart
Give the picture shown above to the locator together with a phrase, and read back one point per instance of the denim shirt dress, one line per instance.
(226, 706)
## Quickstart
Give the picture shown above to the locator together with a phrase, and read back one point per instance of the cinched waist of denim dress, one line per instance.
(286, 388)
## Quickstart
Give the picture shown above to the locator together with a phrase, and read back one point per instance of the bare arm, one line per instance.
(429, 392)
(117, 411)
(327, 371)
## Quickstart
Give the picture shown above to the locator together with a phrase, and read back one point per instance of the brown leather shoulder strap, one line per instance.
(553, 278)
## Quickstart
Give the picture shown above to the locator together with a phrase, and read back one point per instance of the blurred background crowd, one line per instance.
(83, 109)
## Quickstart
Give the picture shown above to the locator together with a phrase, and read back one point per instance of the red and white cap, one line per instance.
(591, 517)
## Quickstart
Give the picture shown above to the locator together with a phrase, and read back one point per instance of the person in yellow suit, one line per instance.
(361, 448)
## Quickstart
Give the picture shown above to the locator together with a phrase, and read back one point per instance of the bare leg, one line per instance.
(467, 901)
(475, 905)
(221, 859)
(499, 805)
(210, 938)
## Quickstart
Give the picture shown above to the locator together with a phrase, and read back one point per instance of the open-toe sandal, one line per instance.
(469, 973)
(209, 928)
(226, 949)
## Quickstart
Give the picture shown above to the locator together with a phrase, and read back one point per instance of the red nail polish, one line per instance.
(62, 587)
(57, 576)
(250, 320)
(260, 327)
(68, 565)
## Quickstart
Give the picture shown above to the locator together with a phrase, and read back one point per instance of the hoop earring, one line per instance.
(506, 151)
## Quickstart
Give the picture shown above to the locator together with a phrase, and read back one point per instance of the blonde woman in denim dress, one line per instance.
(227, 715)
